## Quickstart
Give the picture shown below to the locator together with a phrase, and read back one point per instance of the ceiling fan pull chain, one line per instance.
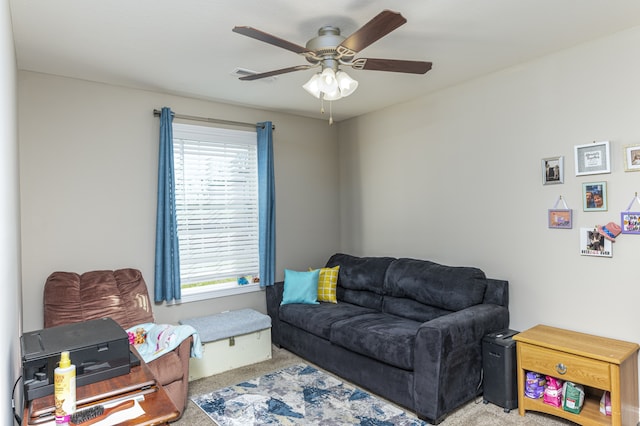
(330, 113)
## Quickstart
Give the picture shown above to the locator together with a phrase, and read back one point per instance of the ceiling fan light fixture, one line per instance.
(332, 96)
(346, 84)
(330, 85)
(328, 82)
(313, 85)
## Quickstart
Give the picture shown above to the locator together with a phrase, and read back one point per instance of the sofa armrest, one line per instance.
(497, 292)
(448, 357)
(274, 298)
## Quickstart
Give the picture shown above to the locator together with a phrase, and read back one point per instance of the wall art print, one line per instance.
(560, 218)
(594, 196)
(632, 158)
(592, 243)
(552, 170)
(592, 158)
(630, 222)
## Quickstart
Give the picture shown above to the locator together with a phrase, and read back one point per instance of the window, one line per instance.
(216, 187)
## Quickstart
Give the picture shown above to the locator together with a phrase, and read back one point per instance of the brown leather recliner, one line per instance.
(122, 295)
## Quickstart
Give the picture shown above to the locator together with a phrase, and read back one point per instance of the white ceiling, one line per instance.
(186, 47)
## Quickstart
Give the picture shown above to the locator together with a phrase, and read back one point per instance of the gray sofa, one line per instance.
(408, 330)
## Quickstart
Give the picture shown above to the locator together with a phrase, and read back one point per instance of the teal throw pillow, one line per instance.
(300, 287)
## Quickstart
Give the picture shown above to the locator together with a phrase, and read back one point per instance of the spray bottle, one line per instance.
(64, 389)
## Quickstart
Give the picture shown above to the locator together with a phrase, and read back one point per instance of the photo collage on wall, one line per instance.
(592, 159)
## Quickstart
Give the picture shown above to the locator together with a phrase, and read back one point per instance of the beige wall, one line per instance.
(88, 158)
(9, 220)
(456, 178)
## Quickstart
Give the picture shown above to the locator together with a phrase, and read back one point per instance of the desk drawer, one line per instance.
(577, 369)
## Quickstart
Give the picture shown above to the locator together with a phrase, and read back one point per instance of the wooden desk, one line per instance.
(158, 407)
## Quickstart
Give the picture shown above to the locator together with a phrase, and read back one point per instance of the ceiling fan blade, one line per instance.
(276, 72)
(393, 65)
(381, 25)
(271, 39)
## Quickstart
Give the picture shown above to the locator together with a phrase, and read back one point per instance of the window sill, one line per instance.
(195, 295)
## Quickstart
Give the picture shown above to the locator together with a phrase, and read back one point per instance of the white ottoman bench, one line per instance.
(230, 340)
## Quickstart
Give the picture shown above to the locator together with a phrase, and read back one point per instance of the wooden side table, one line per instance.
(597, 363)
(158, 407)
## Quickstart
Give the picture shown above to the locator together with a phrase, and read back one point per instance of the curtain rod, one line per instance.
(156, 113)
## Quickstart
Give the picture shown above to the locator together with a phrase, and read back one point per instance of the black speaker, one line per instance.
(499, 366)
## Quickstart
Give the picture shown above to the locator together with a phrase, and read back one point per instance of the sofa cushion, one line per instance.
(317, 319)
(384, 337)
(360, 279)
(411, 309)
(300, 287)
(446, 287)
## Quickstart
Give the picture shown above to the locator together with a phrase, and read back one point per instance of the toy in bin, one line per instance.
(534, 385)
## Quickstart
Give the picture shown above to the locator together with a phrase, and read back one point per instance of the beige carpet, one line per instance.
(473, 414)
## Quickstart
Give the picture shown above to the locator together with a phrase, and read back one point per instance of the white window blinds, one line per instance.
(216, 177)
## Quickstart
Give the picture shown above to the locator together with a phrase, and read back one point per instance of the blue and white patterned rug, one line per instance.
(299, 395)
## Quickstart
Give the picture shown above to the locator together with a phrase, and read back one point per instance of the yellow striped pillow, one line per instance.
(327, 283)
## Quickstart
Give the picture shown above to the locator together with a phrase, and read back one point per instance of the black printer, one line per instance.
(98, 348)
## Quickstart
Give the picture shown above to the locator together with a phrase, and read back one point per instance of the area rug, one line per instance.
(299, 395)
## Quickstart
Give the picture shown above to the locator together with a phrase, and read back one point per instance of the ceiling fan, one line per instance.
(330, 50)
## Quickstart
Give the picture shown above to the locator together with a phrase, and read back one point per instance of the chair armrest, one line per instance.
(172, 371)
(184, 351)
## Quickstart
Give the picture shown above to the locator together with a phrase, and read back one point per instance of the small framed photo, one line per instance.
(630, 222)
(594, 196)
(552, 170)
(632, 158)
(593, 243)
(592, 158)
(560, 218)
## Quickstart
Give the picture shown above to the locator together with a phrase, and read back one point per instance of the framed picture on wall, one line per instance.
(592, 158)
(630, 222)
(594, 196)
(632, 158)
(552, 170)
(593, 243)
(560, 218)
